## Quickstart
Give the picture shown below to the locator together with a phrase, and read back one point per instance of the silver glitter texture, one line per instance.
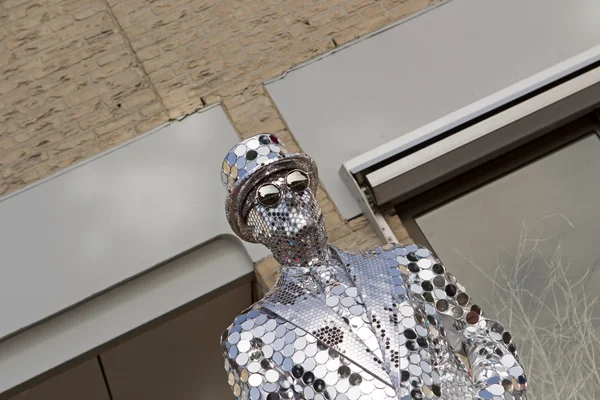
(292, 229)
(253, 160)
(390, 323)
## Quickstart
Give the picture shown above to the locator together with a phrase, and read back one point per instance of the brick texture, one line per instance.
(210, 50)
(70, 87)
(78, 77)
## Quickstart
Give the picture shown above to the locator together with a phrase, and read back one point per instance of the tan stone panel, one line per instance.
(152, 122)
(151, 109)
(122, 8)
(355, 5)
(335, 28)
(60, 23)
(113, 125)
(229, 47)
(358, 223)
(67, 77)
(100, 43)
(249, 109)
(325, 18)
(351, 241)
(373, 11)
(95, 118)
(148, 53)
(371, 243)
(332, 220)
(114, 55)
(83, 27)
(20, 135)
(138, 99)
(338, 232)
(65, 160)
(93, 8)
(6, 143)
(113, 68)
(73, 142)
(113, 139)
(70, 5)
(346, 36)
(162, 7)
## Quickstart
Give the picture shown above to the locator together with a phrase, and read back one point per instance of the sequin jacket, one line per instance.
(408, 331)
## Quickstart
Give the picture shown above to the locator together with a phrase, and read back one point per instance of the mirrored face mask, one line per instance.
(285, 217)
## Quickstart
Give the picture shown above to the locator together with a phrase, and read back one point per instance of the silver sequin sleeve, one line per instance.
(253, 358)
(493, 363)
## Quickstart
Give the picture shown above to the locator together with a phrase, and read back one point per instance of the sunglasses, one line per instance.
(269, 194)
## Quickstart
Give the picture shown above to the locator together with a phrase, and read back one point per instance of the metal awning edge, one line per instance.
(473, 110)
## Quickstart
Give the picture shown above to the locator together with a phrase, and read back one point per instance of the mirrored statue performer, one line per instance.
(390, 323)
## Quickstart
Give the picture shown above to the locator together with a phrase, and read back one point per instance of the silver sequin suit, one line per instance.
(391, 323)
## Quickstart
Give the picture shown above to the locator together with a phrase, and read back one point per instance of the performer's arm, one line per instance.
(250, 371)
(488, 347)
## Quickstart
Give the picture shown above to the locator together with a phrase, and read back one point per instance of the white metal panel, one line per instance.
(421, 70)
(473, 110)
(472, 133)
(112, 314)
(112, 218)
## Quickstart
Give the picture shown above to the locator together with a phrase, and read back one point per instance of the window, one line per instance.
(522, 233)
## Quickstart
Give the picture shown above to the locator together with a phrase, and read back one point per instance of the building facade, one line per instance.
(114, 112)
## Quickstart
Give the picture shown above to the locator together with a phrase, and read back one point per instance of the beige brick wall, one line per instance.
(211, 49)
(70, 87)
(80, 76)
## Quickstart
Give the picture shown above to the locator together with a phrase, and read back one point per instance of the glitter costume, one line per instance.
(391, 323)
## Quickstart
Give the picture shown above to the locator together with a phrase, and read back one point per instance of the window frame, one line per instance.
(409, 210)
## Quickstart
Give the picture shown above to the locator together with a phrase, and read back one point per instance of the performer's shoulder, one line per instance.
(390, 250)
(252, 317)
(405, 247)
(413, 251)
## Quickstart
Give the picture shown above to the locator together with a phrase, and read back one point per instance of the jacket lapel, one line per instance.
(382, 289)
(293, 303)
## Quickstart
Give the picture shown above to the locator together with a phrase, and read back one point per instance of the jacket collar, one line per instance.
(292, 302)
(383, 290)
